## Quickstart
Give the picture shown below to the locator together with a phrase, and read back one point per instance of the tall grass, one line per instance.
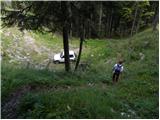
(89, 93)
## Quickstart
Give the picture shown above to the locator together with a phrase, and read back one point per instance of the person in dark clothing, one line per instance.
(117, 70)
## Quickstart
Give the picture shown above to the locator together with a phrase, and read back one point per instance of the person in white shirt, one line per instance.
(117, 70)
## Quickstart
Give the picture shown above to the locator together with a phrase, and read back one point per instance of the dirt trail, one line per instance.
(10, 106)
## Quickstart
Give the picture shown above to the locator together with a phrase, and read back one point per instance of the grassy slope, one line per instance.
(90, 93)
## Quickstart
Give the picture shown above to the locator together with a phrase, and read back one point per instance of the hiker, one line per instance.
(117, 70)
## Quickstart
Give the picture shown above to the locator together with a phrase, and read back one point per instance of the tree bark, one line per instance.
(71, 27)
(105, 29)
(107, 25)
(89, 29)
(80, 46)
(134, 21)
(66, 20)
(138, 20)
(116, 23)
(156, 19)
(66, 47)
(138, 25)
(100, 18)
(110, 24)
(91, 26)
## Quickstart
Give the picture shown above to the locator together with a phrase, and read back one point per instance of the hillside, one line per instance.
(34, 87)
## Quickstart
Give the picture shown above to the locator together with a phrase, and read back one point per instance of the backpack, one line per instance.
(118, 68)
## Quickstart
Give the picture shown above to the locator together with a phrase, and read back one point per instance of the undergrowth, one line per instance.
(91, 93)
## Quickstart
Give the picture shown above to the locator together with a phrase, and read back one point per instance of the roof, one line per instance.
(70, 52)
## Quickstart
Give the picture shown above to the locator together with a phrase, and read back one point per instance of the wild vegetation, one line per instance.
(96, 19)
(87, 93)
(32, 86)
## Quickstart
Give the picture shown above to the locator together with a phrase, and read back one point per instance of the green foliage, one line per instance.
(127, 13)
(50, 16)
(89, 93)
(48, 39)
(82, 103)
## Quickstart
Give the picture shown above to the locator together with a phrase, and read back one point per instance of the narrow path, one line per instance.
(9, 107)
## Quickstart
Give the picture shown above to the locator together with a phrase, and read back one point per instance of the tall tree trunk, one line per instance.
(105, 29)
(70, 20)
(121, 31)
(116, 23)
(156, 19)
(138, 25)
(89, 29)
(134, 21)
(66, 20)
(138, 20)
(110, 24)
(100, 18)
(91, 25)
(71, 27)
(81, 44)
(107, 25)
(111, 27)
(66, 47)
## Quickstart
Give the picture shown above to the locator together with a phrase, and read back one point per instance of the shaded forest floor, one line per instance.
(39, 92)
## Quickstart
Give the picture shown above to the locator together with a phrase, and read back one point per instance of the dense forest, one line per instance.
(83, 19)
(100, 19)
(101, 33)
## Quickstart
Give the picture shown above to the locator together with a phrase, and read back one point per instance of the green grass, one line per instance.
(89, 93)
(71, 104)
(48, 39)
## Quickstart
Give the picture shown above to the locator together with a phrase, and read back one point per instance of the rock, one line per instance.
(123, 113)
(132, 112)
(11, 61)
(7, 34)
(28, 54)
(146, 43)
(141, 56)
(68, 107)
(112, 110)
(51, 55)
(91, 84)
(108, 61)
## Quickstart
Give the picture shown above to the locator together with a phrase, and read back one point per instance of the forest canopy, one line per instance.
(97, 19)
(101, 19)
